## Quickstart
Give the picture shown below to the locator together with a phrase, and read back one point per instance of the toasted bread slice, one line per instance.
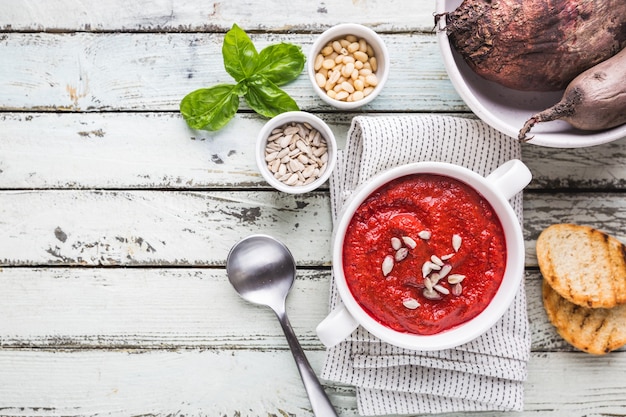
(584, 265)
(593, 330)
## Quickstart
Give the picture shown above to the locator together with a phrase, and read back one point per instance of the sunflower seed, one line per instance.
(275, 136)
(409, 242)
(435, 259)
(428, 283)
(446, 257)
(431, 294)
(434, 266)
(291, 130)
(271, 156)
(410, 303)
(455, 278)
(445, 270)
(440, 288)
(434, 278)
(401, 254)
(296, 165)
(292, 180)
(396, 243)
(456, 242)
(387, 265)
(424, 234)
(285, 141)
(457, 289)
(426, 269)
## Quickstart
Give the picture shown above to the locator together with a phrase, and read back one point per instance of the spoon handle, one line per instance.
(320, 403)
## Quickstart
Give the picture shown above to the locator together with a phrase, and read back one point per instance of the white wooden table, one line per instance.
(115, 218)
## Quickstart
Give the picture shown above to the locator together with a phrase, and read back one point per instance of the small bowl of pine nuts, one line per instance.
(348, 65)
(296, 152)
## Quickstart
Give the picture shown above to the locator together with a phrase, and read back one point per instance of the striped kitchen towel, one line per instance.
(487, 373)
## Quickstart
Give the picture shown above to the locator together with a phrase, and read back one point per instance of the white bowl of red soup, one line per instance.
(428, 255)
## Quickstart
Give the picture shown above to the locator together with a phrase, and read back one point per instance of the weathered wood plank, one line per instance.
(130, 150)
(191, 16)
(155, 228)
(252, 383)
(604, 211)
(73, 227)
(104, 308)
(593, 168)
(157, 151)
(96, 72)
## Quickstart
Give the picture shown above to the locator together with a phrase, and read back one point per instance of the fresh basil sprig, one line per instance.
(258, 76)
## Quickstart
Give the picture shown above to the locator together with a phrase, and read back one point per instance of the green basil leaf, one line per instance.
(211, 108)
(281, 63)
(265, 98)
(240, 56)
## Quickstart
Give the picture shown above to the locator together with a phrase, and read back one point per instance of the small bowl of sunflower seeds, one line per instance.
(296, 152)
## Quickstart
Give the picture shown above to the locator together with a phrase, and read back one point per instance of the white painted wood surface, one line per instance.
(115, 218)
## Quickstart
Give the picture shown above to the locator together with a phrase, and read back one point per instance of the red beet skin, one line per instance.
(536, 45)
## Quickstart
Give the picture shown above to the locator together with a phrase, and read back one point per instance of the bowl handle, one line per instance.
(510, 178)
(337, 326)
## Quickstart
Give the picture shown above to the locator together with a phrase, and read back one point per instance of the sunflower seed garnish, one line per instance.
(411, 303)
(401, 254)
(431, 294)
(455, 278)
(424, 234)
(396, 243)
(435, 259)
(409, 242)
(426, 269)
(428, 283)
(441, 289)
(456, 242)
(457, 289)
(387, 265)
(445, 270)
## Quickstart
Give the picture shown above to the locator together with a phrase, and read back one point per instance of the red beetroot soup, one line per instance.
(448, 250)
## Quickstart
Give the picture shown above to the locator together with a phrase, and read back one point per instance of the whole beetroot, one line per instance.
(538, 45)
(594, 100)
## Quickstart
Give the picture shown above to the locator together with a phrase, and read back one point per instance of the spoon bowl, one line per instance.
(262, 270)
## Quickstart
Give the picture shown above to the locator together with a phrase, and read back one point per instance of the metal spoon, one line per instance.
(262, 271)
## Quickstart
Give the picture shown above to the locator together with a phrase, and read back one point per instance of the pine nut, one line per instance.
(327, 50)
(374, 63)
(318, 62)
(328, 63)
(342, 95)
(361, 56)
(320, 80)
(346, 86)
(371, 80)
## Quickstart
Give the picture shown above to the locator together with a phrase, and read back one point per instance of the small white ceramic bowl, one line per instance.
(506, 109)
(286, 119)
(497, 188)
(339, 32)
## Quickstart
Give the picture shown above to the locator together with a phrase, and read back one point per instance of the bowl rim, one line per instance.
(465, 332)
(547, 139)
(375, 41)
(288, 117)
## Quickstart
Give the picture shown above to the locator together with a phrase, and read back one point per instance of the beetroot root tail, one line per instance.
(525, 129)
(563, 109)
